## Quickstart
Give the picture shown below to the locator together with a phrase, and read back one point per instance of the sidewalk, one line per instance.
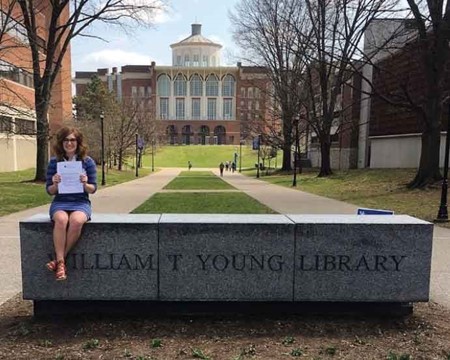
(289, 201)
(115, 199)
(125, 197)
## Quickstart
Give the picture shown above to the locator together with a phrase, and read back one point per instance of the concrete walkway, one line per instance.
(125, 197)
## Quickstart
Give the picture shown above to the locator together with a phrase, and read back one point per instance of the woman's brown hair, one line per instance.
(58, 147)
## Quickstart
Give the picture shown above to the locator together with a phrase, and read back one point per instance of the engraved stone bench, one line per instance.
(234, 258)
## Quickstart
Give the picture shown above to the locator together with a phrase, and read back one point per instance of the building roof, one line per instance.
(196, 38)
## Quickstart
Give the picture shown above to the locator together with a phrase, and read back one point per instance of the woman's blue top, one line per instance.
(89, 167)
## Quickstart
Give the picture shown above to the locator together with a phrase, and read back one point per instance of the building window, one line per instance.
(196, 86)
(196, 109)
(212, 85)
(212, 109)
(196, 61)
(178, 62)
(243, 92)
(13, 28)
(250, 92)
(25, 127)
(179, 111)
(163, 85)
(205, 61)
(141, 91)
(227, 109)
(149, 91)
(13, 73)
(5, 124)
(257, 93)
(180, 86)
(186, 60)
(249, 105)
(228, 86)
(256, 105)
(164, 108)
(213, 61)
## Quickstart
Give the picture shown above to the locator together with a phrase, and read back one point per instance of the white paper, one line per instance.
(70, 172)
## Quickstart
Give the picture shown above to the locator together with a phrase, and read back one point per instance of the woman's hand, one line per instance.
(83, 179)
(56, 179)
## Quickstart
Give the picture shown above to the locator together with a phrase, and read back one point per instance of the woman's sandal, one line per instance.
(60, 271)
(51, 265)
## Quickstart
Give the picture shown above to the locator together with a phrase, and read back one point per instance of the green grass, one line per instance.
(18, 192)
(196, 180)
(373, 188)
(202, 203)
(203, 156)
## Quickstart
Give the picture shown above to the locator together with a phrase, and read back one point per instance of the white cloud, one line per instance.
(112, 57)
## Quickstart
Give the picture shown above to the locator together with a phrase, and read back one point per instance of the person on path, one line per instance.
(189, 165)
(227, 164)
(69, 211)
(233, 166)
(221, 166)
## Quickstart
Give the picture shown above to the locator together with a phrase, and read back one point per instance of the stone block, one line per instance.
(377, 258)
(116, 258)
(215, 257)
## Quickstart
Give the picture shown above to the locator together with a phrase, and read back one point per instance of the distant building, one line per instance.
(17, 115)
(197, 100)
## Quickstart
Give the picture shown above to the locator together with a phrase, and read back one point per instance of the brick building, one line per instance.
(197, 100)
(17, 115)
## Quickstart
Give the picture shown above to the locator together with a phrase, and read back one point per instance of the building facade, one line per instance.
(17, 115)
(197, 100)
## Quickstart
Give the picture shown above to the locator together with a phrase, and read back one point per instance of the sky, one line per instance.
(146, 45)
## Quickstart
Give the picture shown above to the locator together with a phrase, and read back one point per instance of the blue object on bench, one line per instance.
(365, 211)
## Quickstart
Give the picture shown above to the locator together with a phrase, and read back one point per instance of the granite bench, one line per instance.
(234, 258)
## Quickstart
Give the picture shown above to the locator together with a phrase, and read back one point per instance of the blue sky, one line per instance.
(146, 45)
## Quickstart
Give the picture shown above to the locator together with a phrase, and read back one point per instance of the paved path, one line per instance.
(125, 197)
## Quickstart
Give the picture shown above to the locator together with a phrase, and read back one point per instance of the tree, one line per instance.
(432, 18)
(266, 30)
(123, 119)
(62, 28)
(334, 38)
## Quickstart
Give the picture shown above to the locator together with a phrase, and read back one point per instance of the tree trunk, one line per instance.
(325, 166)
(119, 160)
(428, 171)
(41, 139)
(286, 165)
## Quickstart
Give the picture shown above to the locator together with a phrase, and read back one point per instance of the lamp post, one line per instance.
(153, 155)
(296, 152)
(137, 155)
(240, 155)
(442, 215)
(259, 146)
(102, 117)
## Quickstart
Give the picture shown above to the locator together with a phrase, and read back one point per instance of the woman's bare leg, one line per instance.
(60, 219)
(76, 221)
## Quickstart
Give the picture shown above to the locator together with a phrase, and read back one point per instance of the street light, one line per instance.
(102, 117)
(153, 155)
(442, 215)
(240, 155)
(137, 155)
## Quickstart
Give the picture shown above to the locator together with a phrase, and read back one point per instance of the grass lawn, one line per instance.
(202, 203)
(373, 188)
(196, 180)
(18, 192)
(203, 156)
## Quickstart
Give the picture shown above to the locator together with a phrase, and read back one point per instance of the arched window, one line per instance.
(163, 85)
(187, 133)
(228, 85)
(212, 85)
(203, 135)
(180, 85)
(220, 133)
(171, 133)
(196, 85)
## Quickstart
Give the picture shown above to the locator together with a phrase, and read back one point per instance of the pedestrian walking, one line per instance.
(221, 166)
(189, 165)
